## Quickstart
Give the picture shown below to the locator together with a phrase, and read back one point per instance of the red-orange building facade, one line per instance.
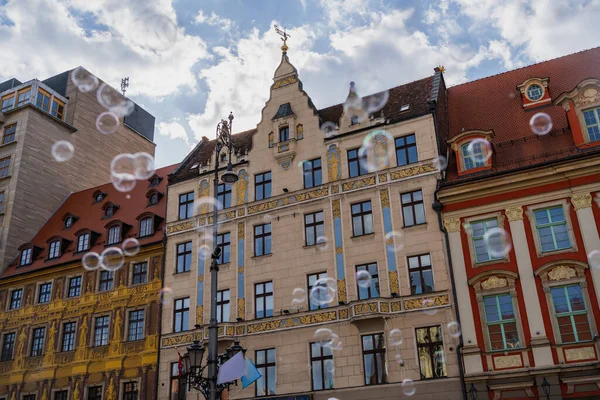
(531, 313)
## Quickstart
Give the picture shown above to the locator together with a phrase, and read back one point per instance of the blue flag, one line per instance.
(251, 374)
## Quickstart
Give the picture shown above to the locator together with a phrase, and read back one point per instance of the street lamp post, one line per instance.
(546, 388)
(193, 359)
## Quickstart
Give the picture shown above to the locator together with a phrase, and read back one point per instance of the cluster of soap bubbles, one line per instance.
(363, 107)
(376, 151)
(112, 258)
(480, 151)
(328, 339)
(126, 169)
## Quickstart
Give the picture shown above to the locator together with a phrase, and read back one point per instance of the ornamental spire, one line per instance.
(284, 36)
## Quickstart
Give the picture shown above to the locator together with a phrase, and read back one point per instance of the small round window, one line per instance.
(68, 222)
(534, 92)
(154, 198)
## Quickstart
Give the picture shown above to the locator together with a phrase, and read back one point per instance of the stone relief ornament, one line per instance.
(452, 224)
(561, 272)
(514, 213)
(581, 200)
(494, 282)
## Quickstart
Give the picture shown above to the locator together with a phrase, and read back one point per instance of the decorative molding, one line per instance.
(242, 187)
(335, 205)
(292, 322)
(180, 339)
(394, 285)
(358, 183)
(514, 213)
(385, 198)
(241, 230)
(452, 224)
(241, 308)
(412, 171)
(505, 362)
(334, 168)
(561, 272)
(581, 200)
(420, 303)
(494, 282)
(285, 82)
(178, 227)
(366, 308)
(199, 314)
(335, 189)
(341, 290)
(580, 354)
(383, 178)
(204, 192)
(269, 205)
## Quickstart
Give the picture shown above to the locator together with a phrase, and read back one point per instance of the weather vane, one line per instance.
(124, 85)
(284, 36)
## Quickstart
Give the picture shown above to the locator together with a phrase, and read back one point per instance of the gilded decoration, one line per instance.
(494, 282)
(385, 198)
(201, 278)
(339, 250)
(240, 270)
(183, 226)
(242, 187)
(581, 200)
(412, 171)
(385, 307)
(504, 362)
(344, 313)
(239, 330)
(230, 331)
(561, 272)
(383, 178)
(241, 308)
(396, 306)
(241, 231)
(514, 213)
(341, 289)
(241, 212)
(394, 285)
(580, 354)
(292, 322)
(368, 308)
(452, 224)
(588, 96)
(335, 189)
(199, 315)
(414, 304)
(271, 139)
(285, 82)
(223, 217)
(335, 205)
(269, 205)
(358, 183)
(333, 163)
(204, 192)
(299, 132)
(177, 340)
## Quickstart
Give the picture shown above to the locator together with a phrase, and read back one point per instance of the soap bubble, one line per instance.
(206, 204)
(540, 123)
(408, 387)
(394, 241)
(327, 339)
(329, 129)
(396, 337)
(363, 279)
(62, 150)
(497, 241)
(84, 80)
(114, 101)
(90, 261)
(205, 252)
(155, 32)
(130, 247)
(166, 296)
(375, 102)
(399, 360)
(112, 259)
(323, 242)
(454, 329)
(298, 296)
(376, 150)
(143, 165)
(480, 150)
(123, 183)
(329, 366)
(441, 163)
(323, 291)
(428, 305)
(107, 123)
(594, 259)
(126, 168)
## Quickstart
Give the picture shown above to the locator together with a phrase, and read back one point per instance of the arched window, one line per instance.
(154, 199)
(109, 212)
(146, 227)
(114, 234)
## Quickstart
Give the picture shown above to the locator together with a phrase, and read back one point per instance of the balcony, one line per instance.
(285, 152)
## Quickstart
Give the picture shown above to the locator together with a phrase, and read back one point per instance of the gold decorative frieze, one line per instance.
(223, 217)
(385, 307)
(241, 212)
(241, 231)
(383, 178)
(241, 308)
(335, 189)
(335, 205)
(396, 306)
(394, 285)
(199, 314)
(505, 362)
(178, 227)
(426, 302)
(230, 330)
(341, 290)
(561, 272)
(180, 339)
(581, 200)
(358, 183)
(344, 313)
(580, 354)
(240, 330)
(514, 213)
(269, 205)
(285, 82)
(385, 198)
(292, 322)
(368, 308)
(412, 171)
(452, 224)
(494, 282)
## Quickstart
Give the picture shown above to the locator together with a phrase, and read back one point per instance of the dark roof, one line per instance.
(495, 103)
(90, 215)
(58, 83)
(284, 110)
(9, 84)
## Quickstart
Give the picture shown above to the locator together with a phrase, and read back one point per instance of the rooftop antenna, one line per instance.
(284, 36)
(124, 85)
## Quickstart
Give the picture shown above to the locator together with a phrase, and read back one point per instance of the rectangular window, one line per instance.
(313, 175)
(284, 133)
(181, 318)
(61, 395)
(224, 242)
(101, 330)
(322, 368)
(501, 322)
(186, 205)
(1, 202)
(146, 227)
(263, 299)
(406, 150)
(373, 350)
(552, 229)
(592, 123)
(223, 306)
(177, 385)
(74, 286)
(357, 163)
(15, 299)
(130, 391)
(136, 325)
(26, 256)
(362, 218)
(430, 347)
(37, 343)
(114, 234)
(54, 251)
(421, 276)
(413, 209)
(68, 337)
(262, 186)
(43, 100)
(29, 397)
(94, 393)
(265, 363)
(262, 240)
(367, 280)
(8, 345)
(23, 96)
(58, 109)
(184, 257)
(9, 133)
(571, 314)
(106, 281)
(4, 165)
(44, 293)
(314, 299)
(140, 273)
(314, 228)
(474, 158)
(8, 102)
(478, 230)
(223, 196)
(83, 242)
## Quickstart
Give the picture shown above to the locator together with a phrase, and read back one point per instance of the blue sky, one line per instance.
(190, 62)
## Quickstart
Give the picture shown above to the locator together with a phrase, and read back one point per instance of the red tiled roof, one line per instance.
(494, 103)
(91, 216)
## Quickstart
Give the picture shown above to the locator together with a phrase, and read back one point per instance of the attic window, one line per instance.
(194, 166)
(534, 92)
(354, 120)
(68, 222)
(26, 256)
(405, 107)
(99, 196)
(109, 212)
(223, 157)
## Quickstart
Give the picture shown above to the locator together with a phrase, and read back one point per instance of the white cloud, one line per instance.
(432, 16)
(214, 20)
(173, 130)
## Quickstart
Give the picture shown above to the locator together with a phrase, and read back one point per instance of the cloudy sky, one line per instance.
(190, 62)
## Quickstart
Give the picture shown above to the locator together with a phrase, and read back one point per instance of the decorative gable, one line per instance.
(582, 105)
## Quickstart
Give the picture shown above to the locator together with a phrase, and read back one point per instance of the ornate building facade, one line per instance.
(34, 116)
(72, 330)
(310, 206)
(523, 151)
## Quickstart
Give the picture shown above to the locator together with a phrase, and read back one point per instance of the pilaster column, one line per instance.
(582, 202)
(471, 351)
(539, 340)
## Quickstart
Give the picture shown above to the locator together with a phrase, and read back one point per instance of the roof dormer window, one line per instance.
(68, 222)
(354, 120)
(534, 92)
(405, 107)
(473, 151)
(109, 209)
(582, 105)
(114, 234)
(98, 196)
(54, 251)
(26, 256)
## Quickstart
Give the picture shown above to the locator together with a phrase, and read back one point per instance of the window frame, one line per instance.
(46, 294)
(9, 133)
(551, 224)
(101, 331)
(375, 351)
(361, 214)
(430, 346)
(318, 275)
(106, 284)
(60, 394)
(114, 235)
(264, 238)
(54, 249)
(59, 110)
(4, 166)
(85, 239)
(182, 312)
(501, 321)
(38, 341)
(40, 99)
(317, 228)
(284, 133)
(26, 257)
(9, 104)
(98, 391)
(69, 340)
(420, 269)
(465, 155)
(2, 194)
(322, 358)
(263, 297)
(472, 239)
(223, 306)
(374, 281)
(406, 148)
(566, 206)
(412, 204)
(187, 256)
(77, 289)
(139, 276)
(596, 113)
(130, 393)
(360, 169)
(12, 299)
(11, 345)
(136, 325)
(26, 99)
(266, 365)
(313, 171)
(541, 91)
(146, 227)
(571, 313)
(265, 185)
(188, 206)
(224, 242)
(223, 196)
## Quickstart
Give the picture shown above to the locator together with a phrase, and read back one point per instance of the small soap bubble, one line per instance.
(114, 101)
(298, 296)
(363, 279)
(329, 128)
(84, 80)
(131, 247)
(143, 166)
(204, 252)
(166, 296)
(62, 150)
(323, 291)
(91, 261)
(375, 102)
(323, 242)
(594, 259)
(206, 204)
(123, 183)
(376, 151)
(107, 123)
(454, 329)
(408, 387)
(399, 359)
(480, 150)
(396, 337)
(128, 197)
(267, 218)
(327, 339)
(155, 32)
(441, 163)
(497, 241)
(329, 366)
(540, 123)
(428, 306)
(394, 241)
(112, 259)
